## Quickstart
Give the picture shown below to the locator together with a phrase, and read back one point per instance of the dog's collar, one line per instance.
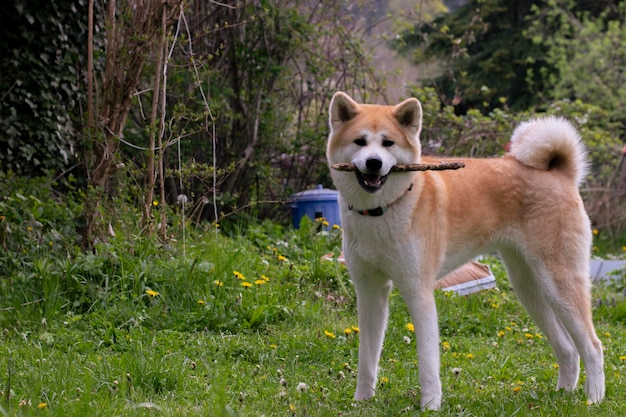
(380, 210)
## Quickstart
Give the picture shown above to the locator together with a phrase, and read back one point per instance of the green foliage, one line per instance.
(34, 220)
(44, 55)
(482, 53)
(586, 49)
(526, 52)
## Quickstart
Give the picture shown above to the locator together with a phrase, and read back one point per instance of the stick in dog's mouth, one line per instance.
(441, 166)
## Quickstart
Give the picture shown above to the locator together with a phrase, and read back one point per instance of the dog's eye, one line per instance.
(360, 142)
(387, 143)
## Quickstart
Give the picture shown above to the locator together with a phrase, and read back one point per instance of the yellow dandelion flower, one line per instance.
(555, 365)
(508, 329)
(325, 223)
(292, 407)
(152, 293)
(201, 302)
(329, 334)
(445, 345)
(264, 278)
(517, 389)
(410, 327)
(246, 284)
(494, 305)
(218, 283)
(595, 231)
(501, 333)
(155, 203)
(622, 358)
(623, 247)
(607, 334)
(347, 331)
(528, 336)
(239, 275)
(41, 406)
(273, 346)
(281, 258)
(29, 228)
(337, 227)
(384, 380)
(469, 355)
(538, 336)
(260, 282)
(355, 329)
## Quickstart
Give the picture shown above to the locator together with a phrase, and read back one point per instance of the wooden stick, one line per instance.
(406, 167)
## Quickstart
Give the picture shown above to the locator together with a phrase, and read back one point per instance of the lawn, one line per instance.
(259, 325)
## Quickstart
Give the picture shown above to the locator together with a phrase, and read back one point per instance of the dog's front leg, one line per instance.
(423, 310)
(373, 311)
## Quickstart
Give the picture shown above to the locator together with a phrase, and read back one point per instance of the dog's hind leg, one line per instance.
(531, 295)
(373, 311)
(569, 295)
(558, 299)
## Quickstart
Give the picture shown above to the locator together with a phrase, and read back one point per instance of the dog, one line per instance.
(409, 229)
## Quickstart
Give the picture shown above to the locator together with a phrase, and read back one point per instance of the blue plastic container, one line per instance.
(315, 203)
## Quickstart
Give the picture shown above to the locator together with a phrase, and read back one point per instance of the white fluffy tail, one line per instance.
(551, 143)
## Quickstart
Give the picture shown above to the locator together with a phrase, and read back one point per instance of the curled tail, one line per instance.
(550, 143)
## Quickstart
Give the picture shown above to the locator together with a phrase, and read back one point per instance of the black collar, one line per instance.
(380, 210)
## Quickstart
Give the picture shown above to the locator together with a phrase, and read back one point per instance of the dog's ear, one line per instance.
(409, 115)
(342, 109)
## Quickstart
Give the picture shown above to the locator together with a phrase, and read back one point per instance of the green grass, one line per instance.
(143, 329)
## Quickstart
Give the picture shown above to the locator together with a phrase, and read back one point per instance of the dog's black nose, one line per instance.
(374, 164)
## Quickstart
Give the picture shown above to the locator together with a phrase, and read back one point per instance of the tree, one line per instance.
(520, 53)
(268, 70)
(132, 36)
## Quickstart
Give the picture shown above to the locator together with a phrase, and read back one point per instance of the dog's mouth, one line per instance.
(370, 182)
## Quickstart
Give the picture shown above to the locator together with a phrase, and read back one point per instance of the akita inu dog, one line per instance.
(409, 229)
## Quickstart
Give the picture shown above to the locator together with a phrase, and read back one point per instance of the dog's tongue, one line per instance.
(372, 180)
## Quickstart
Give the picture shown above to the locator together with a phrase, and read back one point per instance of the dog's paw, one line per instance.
(364, 393)
(432, 404)
(595, 391)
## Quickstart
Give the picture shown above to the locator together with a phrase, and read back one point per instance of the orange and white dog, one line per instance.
(409, 229)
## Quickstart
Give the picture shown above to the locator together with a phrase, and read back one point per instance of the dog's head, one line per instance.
(374, 138)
